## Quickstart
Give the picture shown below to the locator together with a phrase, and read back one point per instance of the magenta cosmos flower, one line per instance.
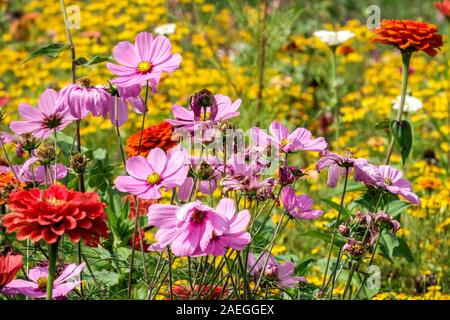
(386, 178)
(184, 118)
(83, 98)
(280, 275)
(144, 61)
(42, 121)
(298, 206)
(147, 176)
(37, 284)
(235, 236)
(337, 165)
(299, 139)
(187, 229)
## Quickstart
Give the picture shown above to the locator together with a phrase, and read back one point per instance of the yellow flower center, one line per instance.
(144, 66)
(388, 181)
(42, 283)
(206, 116)
(153, 178)
(347, 154)
(85, 82)
(284, 142)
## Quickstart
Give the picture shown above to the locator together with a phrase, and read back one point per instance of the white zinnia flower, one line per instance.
(334, 38)
(411, 104)
(166, 29)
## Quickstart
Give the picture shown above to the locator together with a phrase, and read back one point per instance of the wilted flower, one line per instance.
(356, 249)
(386, 221)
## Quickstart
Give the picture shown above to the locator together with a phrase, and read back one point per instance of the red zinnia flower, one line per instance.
(205, 293)
(408, 35)
(155, 136)
(9, 266)
(443, 7)
(47, 215)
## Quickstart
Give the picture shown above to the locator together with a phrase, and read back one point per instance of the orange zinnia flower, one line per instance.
(443, 7)
(155, 136)
(409, 36)
(8, 184)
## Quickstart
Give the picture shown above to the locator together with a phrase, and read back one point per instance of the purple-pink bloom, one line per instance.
(299, 207)
(338, 166)
(184, 118)
(37, 284)
(38, 175)
(235, 236)
(84, 98)
(386, 178)
(299, 139)
(280, 274)
(6, 137)
(148, 175)
(144, 61)
(42, 121)
(188, 229)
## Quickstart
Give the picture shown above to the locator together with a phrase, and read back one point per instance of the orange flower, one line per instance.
(409, 36)
(158, 135)
(443, 7)
(8, 183)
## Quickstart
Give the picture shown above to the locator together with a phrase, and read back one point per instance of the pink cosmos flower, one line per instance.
(387, 178)
(184, 118)
(299, 139)
(298, 206)
(147, 176)
(6, 137)
(337, 165)
(280, 275)
(45, 119)
(144, 61)
(36, 287)
(84, 98)
(187, 229)
(235, 237)
(38, 175)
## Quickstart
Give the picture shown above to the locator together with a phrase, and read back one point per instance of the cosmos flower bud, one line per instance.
(206, 171)
(79, 162)
(46, 153)
(204, 102)
(344, 230)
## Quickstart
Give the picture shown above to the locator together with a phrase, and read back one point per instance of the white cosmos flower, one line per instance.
(411, 104)
(334, 38)
(166, 29)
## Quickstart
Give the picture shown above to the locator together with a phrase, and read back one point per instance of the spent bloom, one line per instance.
(299, 139)
(143, 62)
(147, 175)
(280, 275)
(299, 207)
(48, 117)
(409, 36)
(9, 266)
(36, 286)
(334, 38)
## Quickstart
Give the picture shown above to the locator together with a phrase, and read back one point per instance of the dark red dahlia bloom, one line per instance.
(48, 214)
(9, 266)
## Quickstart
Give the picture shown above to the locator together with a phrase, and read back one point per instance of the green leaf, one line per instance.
(351, 186)
(323, 236)
(95, 60)
(403, 250)
(99, 154)
(402, 132)
(51, 50)
(394, 208)
(302, 268)
(385, 124)
(390, 241)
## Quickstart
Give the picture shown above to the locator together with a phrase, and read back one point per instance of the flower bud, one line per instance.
(79, 162)
(46, 153)
(27, 142)
(344, 230)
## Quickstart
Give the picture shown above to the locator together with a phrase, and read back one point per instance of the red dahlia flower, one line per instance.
(9, 266)
(409, 36)
(156, 136)
(48, 214)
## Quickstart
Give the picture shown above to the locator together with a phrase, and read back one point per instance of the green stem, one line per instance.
(143, 119)
(52, 257)
(334, 99)
(406, 58)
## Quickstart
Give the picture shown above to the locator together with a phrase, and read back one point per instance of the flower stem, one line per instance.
(143, 118)
(341, 208)
(69, 38)
(52, 257)
(406, 58)
(116, 110)
(334, 99)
